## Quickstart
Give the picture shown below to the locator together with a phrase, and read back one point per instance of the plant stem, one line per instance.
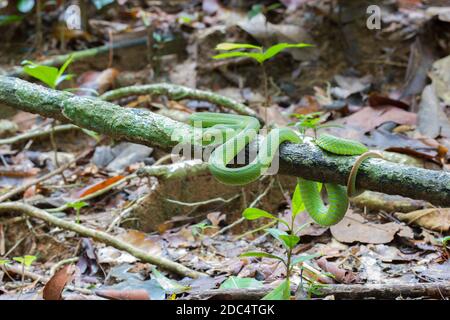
(266, 91)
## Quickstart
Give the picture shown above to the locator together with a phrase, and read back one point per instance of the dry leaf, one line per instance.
(437, 219)
(353, 228)
(99, 186)
(149, 244)
(54, 287)
(341, 275)
(138, 294)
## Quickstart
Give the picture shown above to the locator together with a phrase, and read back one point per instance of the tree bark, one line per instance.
(145, 127)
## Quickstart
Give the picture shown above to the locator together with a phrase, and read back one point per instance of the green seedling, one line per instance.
(311, 121)
(26, 262)
(288, 239)
(77, 206)
(199, 228)
(444, 242)
(51, 76)
(261, 9)
(4, 261)
(257, 53)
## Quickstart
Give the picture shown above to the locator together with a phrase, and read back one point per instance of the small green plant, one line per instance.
(51, 76)
(310, 121)
(260, 8)
(258, 54)
(3, 262)
(289, 239)
(26, 262)
(77, 206)
(199, 228)
(444, 242)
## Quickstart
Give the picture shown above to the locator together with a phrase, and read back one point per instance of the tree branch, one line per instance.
(145, 127)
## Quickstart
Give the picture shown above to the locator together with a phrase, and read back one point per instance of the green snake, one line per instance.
(231, 133)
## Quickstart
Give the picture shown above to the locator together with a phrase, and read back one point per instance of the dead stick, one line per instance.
(437, 290)
(99, 236)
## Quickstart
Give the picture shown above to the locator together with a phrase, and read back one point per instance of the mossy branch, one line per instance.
(145, 127)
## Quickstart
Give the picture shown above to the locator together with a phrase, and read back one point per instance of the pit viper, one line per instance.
(231, 133)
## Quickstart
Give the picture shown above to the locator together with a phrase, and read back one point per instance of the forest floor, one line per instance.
(371, 82)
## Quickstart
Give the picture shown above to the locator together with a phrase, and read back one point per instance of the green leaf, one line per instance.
(64, 66)
(240, 283)
(77, 205)
(25, 260)
(8, 19)
(275, 49)
(254, 55)
(304, 258)
(255, 10)
(260, 254)
(227, 46)
(254, 213)
(169, 285)
(3, 262)
(25, 6)
(282, 292)
(290, 240)
(297, 202)
(46, 74)
(276, 233)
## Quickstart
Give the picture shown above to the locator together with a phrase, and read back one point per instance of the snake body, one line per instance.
(233, 132)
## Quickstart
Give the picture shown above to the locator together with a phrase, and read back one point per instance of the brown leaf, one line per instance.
(341, 275)
(138, 294)
(376, 100)
(216, 217)
(148, 243)
(354, 228)
(54, 287)
(369, 118)
(99, 186)
(98, 81)
(437, 219)
(432, 120)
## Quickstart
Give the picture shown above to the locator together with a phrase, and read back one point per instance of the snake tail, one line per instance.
(351, 182)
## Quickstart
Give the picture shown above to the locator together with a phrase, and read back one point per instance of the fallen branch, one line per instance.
(177, 92)
(340, 291)
(100, 236)
(145, 127)
(83, 54)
